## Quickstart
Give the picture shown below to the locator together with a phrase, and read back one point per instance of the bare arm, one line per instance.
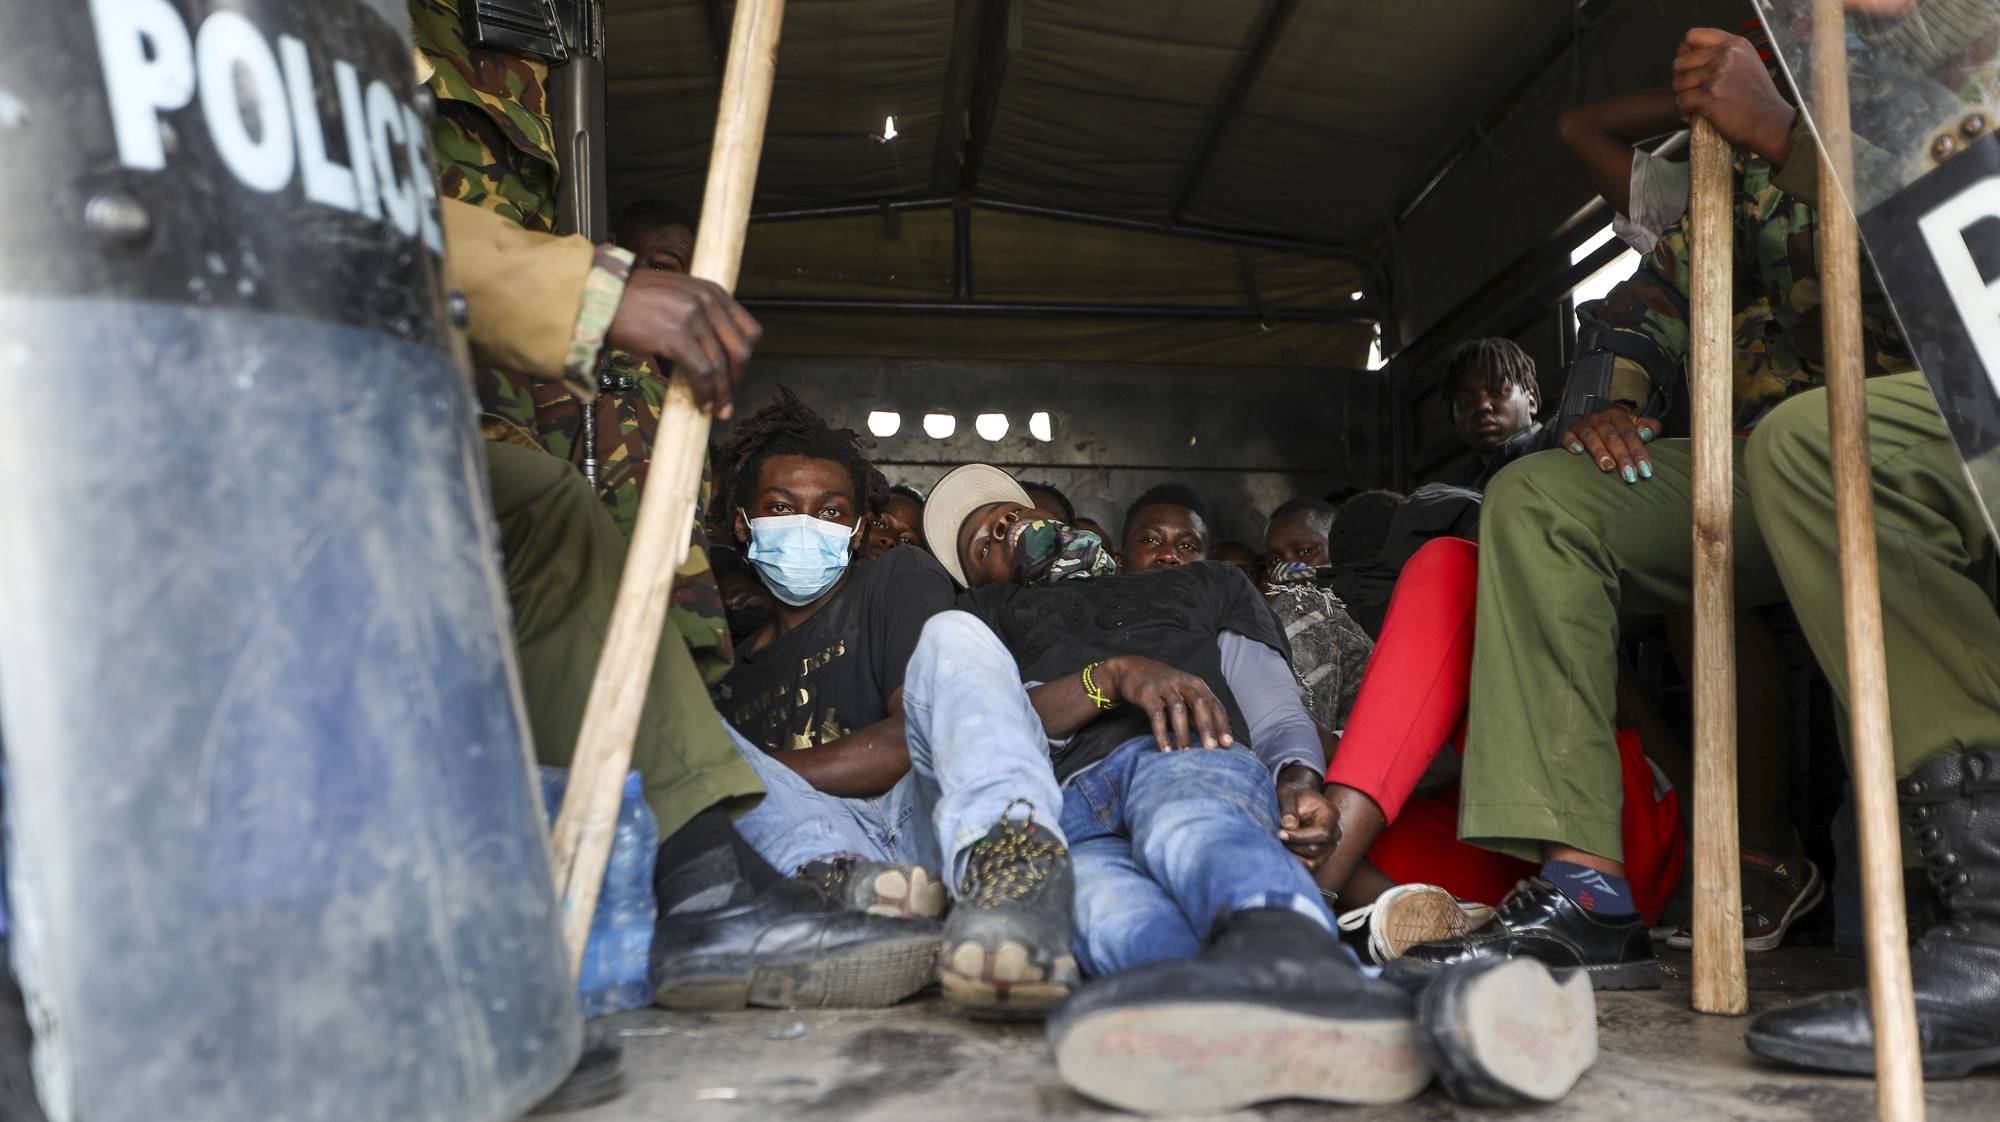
(1601, 134)
(1184, 711)
(1063, 706)
(860, 765)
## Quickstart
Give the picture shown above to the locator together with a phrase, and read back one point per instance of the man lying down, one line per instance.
(1094, 767)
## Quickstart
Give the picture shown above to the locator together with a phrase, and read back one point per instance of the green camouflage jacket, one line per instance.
(494, 140)
(1779, 349)
(495, 147)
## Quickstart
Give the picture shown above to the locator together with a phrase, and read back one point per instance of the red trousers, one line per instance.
(1412, 703)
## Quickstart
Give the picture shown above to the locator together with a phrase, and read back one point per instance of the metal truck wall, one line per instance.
(276, 852)
(1924, 89)
(1244, 438)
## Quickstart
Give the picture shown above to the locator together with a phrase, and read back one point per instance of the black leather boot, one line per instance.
(1275, 1008)
(733, 932)
(789, 947)
(1953, 805)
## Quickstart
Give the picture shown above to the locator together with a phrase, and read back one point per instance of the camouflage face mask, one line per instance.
(1051, 551)
(1290, 572)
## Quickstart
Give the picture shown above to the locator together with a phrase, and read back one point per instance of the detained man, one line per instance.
(1188, 763)
(1166, 526)
(899, 522)
(1493, 396)
(1240, 556)
(900, 758)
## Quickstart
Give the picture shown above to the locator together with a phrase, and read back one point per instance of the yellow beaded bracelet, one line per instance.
(1097, 696)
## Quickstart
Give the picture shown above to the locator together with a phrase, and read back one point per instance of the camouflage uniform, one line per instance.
(1329, 651)
(495, 147)
(1777, 330)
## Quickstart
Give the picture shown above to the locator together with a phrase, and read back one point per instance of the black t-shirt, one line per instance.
(834, 673)
(1173, 615)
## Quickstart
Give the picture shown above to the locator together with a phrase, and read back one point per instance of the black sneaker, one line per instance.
(1537, 921)
(788, 947)
(1503, 1032)
(877, 888)
(1777, 893)
(1275, 1008)
(1007, 944)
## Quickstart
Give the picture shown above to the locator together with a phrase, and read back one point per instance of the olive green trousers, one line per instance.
(1566, 548)
(562, 554)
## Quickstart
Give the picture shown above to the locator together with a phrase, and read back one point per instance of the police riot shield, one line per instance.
(275, 849)
(1924, 90)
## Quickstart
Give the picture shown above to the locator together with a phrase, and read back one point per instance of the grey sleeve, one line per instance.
(1281, 732)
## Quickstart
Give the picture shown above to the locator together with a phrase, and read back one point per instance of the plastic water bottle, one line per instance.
(621, 933)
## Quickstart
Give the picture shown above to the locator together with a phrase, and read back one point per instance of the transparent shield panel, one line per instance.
(1923, 82)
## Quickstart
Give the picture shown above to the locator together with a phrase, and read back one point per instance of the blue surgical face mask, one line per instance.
(799, 556)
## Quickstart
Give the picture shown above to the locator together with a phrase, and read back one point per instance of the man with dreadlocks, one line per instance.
(901, 760)
(1490, 388)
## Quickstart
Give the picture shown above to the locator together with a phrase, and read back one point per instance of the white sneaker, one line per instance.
(1409, 914)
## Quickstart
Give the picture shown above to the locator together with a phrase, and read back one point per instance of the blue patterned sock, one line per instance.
(1594, 892)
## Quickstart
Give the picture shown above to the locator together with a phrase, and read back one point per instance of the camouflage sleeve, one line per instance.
(1650, 306)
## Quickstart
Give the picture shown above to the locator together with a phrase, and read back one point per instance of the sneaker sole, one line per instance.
(868, 976)
(901, 892)
(1806, 901)
(1523, 1034)
(1423, 917)
(1003, 984)
(1215, 1057)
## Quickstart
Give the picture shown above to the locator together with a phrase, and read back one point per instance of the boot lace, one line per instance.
(1011, 864)
(829, 876)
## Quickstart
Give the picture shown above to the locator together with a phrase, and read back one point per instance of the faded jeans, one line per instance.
(976, 749)
(1165, 842)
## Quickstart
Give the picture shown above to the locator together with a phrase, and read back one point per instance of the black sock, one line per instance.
(706, 864)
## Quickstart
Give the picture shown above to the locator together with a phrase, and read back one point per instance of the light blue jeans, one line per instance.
(1166, 842)
(976, 750)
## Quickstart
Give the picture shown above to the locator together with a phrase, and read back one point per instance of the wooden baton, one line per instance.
(1719, 982)
(1899, 1072)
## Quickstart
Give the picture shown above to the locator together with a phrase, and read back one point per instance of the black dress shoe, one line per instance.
(1537, 921)
(1275, 1008)
(1953, 807)
(1007, 952)
(787, 947)
(1504, 1032)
